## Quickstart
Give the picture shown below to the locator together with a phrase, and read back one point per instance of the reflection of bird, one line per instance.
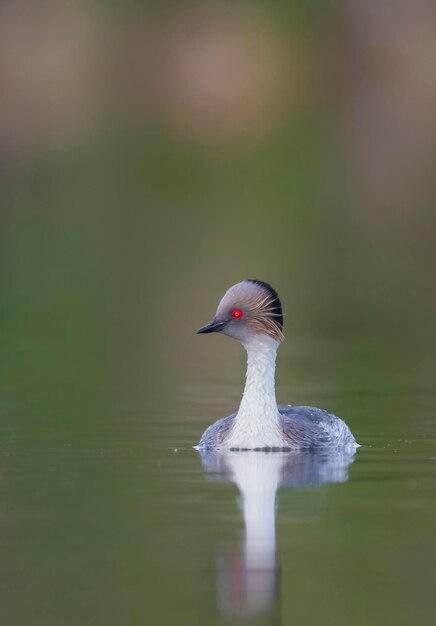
(248, 578)
(251, 312)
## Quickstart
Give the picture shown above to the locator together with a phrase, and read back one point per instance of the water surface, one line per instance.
(110, 516)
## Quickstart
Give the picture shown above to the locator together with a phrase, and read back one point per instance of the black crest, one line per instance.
(276, 305)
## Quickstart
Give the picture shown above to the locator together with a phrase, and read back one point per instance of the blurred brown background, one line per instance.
(154, 154)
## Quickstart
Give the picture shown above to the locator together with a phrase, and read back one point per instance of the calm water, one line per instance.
(105, 520)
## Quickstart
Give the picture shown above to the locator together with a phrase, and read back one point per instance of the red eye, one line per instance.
(237, 313)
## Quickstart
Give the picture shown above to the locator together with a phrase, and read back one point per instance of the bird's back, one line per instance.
(303, 427)
(310, 427)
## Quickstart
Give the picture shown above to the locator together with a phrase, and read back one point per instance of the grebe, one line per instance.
(251, 312)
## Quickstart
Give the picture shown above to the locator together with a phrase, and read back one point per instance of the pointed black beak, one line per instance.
(213, 327)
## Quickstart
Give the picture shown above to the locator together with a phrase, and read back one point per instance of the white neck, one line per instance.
(257, 422)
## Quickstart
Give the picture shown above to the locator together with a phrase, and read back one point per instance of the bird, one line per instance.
(251, 312)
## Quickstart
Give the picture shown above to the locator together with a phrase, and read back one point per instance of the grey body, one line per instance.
(303, 427)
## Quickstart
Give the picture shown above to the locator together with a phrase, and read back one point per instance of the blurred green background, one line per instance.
(153, 154)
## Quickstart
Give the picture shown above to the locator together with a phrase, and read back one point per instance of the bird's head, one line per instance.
(248, 309)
